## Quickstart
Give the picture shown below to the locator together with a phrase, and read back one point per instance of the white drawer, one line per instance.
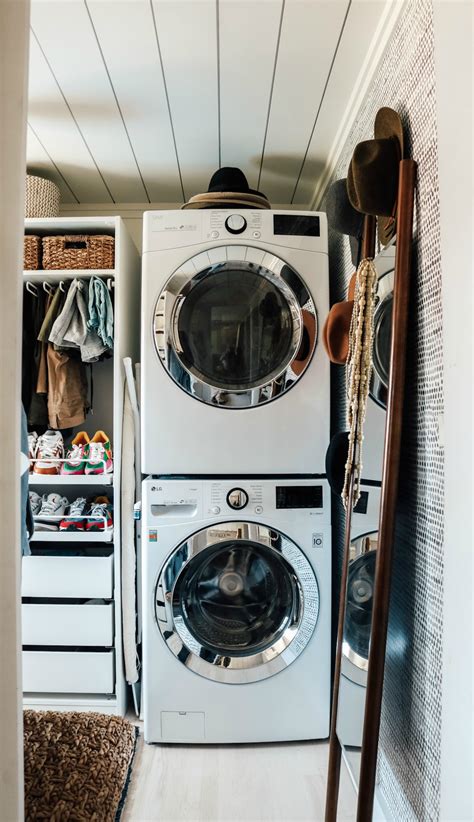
(66, 672)
(67, 624)
(67, 577)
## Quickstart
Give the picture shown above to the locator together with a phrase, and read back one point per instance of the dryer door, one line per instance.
(237, 602)
(234, 332)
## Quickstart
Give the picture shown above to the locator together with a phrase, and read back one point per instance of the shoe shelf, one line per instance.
(73, 536)
(58, 480)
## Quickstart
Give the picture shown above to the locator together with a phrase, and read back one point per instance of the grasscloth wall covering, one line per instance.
(409, 754)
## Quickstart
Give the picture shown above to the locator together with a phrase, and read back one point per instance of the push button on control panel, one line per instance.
(237, 499)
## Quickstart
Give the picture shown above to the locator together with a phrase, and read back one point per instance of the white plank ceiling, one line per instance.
(136, 101)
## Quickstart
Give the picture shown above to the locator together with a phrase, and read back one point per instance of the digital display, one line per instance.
(299, 496)
(296, 224)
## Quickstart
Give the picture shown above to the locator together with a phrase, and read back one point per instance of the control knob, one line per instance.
(237, 499)
(235, 224)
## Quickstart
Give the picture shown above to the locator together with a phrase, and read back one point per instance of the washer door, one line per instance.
(359, 602)
(235, 333)
(237, 602)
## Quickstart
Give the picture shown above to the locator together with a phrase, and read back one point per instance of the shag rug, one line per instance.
(77, 765)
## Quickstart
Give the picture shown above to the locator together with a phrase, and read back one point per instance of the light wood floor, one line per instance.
(233, 783)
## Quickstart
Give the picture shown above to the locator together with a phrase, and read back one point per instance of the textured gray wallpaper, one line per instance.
(409, 754)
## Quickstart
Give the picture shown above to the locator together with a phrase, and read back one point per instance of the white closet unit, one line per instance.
(71, 585)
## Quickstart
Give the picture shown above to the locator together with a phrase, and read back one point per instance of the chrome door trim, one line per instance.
(236, 669)
(379, 382)
(197, 385)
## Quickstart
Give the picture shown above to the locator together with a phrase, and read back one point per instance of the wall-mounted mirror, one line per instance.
(364, 534)
(370, 526)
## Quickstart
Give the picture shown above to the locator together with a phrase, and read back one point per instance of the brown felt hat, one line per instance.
(372, 179)
(336, 331)
(225, 199)
(337, 326)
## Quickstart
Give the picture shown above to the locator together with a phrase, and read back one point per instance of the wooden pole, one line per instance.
(390, 475)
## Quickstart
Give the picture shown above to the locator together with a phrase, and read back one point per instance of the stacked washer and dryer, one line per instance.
(236, 524)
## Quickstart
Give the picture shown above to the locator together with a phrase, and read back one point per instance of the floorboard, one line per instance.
(232, 783)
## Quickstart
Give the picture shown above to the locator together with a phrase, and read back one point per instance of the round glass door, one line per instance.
(359, 602)
(237, 602)
(235, 333)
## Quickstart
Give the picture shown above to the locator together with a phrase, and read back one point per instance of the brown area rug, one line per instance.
(77, 765)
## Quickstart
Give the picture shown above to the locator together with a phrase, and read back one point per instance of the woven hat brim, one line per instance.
(207, 200)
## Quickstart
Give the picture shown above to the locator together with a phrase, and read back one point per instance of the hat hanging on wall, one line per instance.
(343, 217)
(372, 179)
(337, 327)
(228, 187)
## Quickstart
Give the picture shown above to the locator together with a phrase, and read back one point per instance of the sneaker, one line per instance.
(99, 515)
(36, 502)
(99, 459)
(75, 519)
(32, 446)
(49, 451)
(76, 455)
(53, 508)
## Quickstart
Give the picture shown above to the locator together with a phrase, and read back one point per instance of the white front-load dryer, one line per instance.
(236, 610)
(358, 616)
(233, 375)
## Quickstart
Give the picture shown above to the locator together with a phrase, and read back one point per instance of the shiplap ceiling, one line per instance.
(135, 101)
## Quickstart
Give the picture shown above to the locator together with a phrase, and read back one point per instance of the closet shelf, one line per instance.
(54, 275)
(73, 536)
(58, 480)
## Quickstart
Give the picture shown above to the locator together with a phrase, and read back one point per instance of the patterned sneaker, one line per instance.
(100, 514)
(50, 449)
(99, 458)
(53, 508)
(32, 446)
(76, 455)
(36, 502)
(75, 519)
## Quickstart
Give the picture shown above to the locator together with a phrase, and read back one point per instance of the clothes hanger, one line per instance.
(32, 289)
(48, 288)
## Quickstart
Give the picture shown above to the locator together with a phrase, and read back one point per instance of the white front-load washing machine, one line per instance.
(236, 609)
(232, 370)
(358, 616)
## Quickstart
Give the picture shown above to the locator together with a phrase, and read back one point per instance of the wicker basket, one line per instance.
(31, 252)
(78, 251)
(42, 197)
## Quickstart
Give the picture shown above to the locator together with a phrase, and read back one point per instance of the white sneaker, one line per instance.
(36, 502)
(53, 508)
(49, 450)
(32, 446)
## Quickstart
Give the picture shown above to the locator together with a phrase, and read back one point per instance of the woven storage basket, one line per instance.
(78, 251)
(42, 197)
(31, 252)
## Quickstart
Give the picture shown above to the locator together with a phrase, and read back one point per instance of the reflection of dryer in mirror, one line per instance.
(374, 428)
(231, 364)
(357, 624)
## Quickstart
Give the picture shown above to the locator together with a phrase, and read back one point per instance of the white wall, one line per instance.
(14, 33)
(453, 55)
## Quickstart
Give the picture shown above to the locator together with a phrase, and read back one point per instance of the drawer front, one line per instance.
(67, 624)
(67, 577)
(65, 672)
